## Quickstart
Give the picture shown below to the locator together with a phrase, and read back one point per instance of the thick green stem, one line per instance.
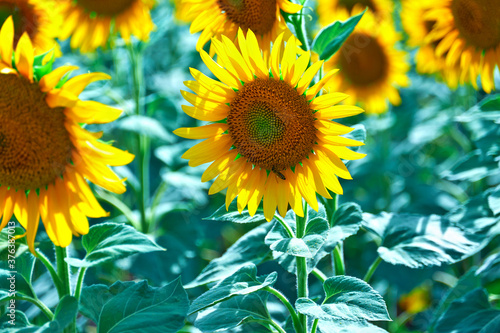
(302, 284)
(63, 270)
(46, 311)
(79, 283)
(144, 158)
(143, 145)
(52, 271)
(64, 275)
(314, 326)
(372, 269)
(295, 318)
(338, 259)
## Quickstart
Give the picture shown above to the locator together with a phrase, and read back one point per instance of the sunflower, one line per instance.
(467, 33)
(225, 17)
(371, 68)
(45, 155)
(37, 18)
(327, 9)
(90, 22)
(418, 28)
(271, 137)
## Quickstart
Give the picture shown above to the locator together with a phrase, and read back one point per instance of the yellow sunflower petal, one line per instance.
(202, 132)
(24, 57)
(7, 38)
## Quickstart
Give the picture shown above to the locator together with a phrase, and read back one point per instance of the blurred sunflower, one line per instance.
(45, 155)
(37, 18)
(272, 137)
(467, 33)
(418, 28)
(372, 69)
(327, 9)
(90, 22)
(224, 17)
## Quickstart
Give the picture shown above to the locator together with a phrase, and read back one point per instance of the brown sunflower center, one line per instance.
(24, 16)
(106, 7)
(256, 15)
(271, 125)
(363, 60)
(34, 144)
(349, 4)
(478, 21)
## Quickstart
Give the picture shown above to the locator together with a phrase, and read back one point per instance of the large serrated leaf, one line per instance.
(243, 282)
(234, 312)
(417, 241)
(110, 241)
(307, 246)
(135, 307)
(346, 298)
(314, 238)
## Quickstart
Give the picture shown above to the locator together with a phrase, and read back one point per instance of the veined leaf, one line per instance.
(234, 312)
(346, 298)
(135, 307)
(110, 241)
(243, 282)
(330, 39)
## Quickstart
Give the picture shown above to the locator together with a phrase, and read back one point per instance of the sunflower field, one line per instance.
(290, 166)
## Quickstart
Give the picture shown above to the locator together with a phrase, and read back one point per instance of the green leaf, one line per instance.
(243, 282)
(472, 167)
(64, 315)
(20, 322)
(66, 311)
(467, 314)
(232, 215)
(330, 39)
(234, 312)
(346, 298)
(136, 307)
(110, 241)
(22, 272)
(346, 222)
(94, 297)
(487, 109)
(315, 236)
(5, 236)
(477, 219)
(250, 248)
(466, 283)
(490, 273)
(337, 326)
(417, 241)
(494, 201)
(316, 232)
(146, 126)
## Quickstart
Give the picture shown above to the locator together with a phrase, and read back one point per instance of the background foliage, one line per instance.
(425, 200)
